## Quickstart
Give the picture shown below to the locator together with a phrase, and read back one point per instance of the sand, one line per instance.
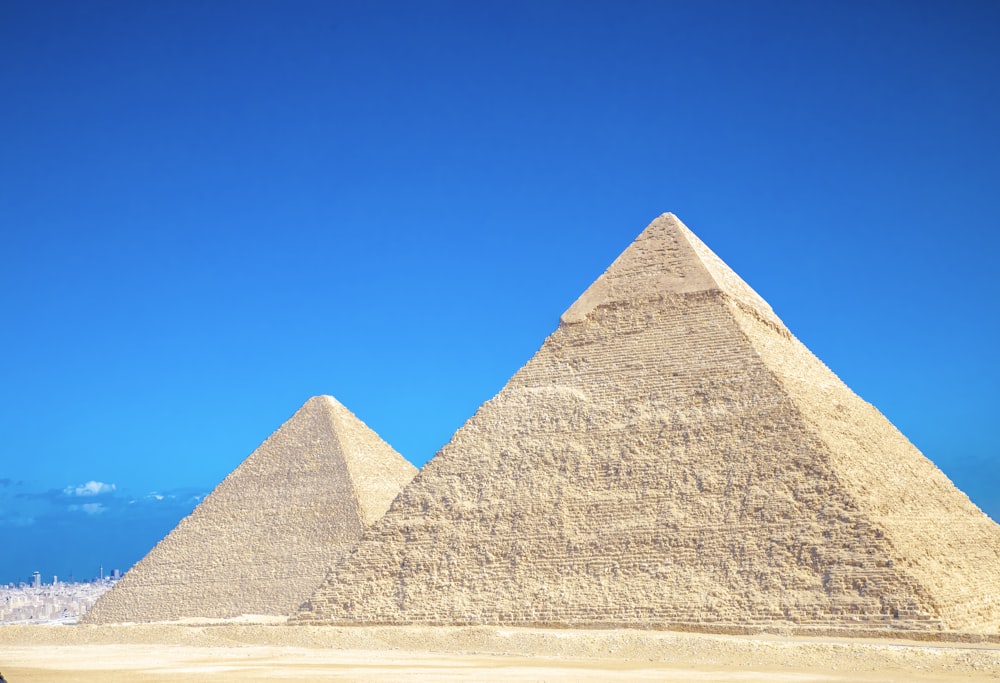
(223, 652)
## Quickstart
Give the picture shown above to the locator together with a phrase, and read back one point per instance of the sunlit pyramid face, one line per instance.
(673, 455)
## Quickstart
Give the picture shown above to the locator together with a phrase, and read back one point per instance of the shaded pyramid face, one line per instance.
(673, 455)
(263, 540)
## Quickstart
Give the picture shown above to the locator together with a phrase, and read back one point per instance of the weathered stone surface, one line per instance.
(673, 455)
(263, 540)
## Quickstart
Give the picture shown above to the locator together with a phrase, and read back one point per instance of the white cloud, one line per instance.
(16, 520)
(89, 508)
(91, 488)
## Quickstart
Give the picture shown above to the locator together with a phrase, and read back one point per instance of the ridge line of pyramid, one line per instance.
(331, 409)
(723, 275)
(375, 478)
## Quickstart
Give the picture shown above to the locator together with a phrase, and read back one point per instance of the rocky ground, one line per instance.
(262, 651)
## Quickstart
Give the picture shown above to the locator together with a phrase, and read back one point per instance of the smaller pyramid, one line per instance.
(263, 540)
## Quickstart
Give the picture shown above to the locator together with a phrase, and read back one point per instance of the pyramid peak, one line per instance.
(323, 399)
(666, 258)
(325, 404)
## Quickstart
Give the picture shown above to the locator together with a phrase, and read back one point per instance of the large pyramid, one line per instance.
(263, 540)
(673, 457)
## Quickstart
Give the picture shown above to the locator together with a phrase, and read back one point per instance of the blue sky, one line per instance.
(211, 211)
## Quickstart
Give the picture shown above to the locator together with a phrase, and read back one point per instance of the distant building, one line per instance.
(64, 603)
(37, 580)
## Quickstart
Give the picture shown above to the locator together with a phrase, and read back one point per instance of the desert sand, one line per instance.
(222, 652)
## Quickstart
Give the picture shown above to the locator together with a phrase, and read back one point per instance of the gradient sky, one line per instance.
(211, 211)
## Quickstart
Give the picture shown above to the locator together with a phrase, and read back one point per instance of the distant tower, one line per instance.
(55, 580)
(116, 574)
(102, 572)
(36, 580)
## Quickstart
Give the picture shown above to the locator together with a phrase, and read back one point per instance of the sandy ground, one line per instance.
(270, 652)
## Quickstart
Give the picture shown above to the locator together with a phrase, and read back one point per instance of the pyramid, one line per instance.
(672, 457)
(262, 541)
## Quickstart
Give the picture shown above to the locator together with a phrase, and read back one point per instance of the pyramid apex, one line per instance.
(666, 258)
(322, 407)
(325, 403)
(322, 398)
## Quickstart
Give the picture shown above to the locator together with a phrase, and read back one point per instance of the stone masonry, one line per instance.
(263, 540)
(673, 457)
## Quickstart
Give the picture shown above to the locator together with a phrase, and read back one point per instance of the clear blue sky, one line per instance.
(211, 211)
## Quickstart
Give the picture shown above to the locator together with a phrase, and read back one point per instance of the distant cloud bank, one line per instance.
(91, 488)
(77, 528)
(20, 506)
(89, 508)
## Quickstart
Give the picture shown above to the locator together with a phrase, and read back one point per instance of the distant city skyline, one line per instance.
(38, 580)
(61, 602)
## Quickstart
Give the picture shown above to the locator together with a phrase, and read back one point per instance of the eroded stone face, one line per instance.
(263, 540)
(673, 455)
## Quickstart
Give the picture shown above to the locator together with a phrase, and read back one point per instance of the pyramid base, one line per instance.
(931, 633)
